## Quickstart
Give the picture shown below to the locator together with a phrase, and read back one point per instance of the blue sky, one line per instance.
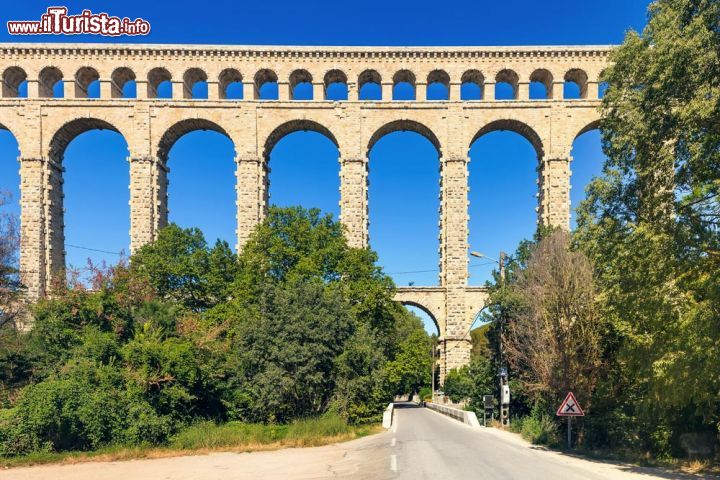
(403, 166)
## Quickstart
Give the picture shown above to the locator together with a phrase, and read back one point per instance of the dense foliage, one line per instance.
(296, 326)
(638, 293)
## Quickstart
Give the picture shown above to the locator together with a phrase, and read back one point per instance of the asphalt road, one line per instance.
(422, 444)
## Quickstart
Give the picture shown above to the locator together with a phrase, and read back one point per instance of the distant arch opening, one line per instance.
(230, 84)
(123, 83)
(438, 85)
(588, 161)
(195, 84)
(369, 85)
(502, 197)
(471, 87)
(506, 85)
(51, 83)
(96, 218)
(301, 87)
(159, 83)
(201, 158)
(303, 167)
(10, 174)
(430, 324)
(602, 89)
(336, 87)
(575, 84)
(404, 85)
(266, 85)
(87, 83)
(14, 83)
(541, 85)
(404, 189)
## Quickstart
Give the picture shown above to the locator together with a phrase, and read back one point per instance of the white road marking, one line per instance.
(393, 463)
(392, 442)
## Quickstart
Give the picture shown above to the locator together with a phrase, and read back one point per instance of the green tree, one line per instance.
(472, 382)
(181, 268)
(411, 368)
(288, 347)
(553, 340)
(651, 227)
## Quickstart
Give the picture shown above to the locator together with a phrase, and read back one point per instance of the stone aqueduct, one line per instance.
(44, 126)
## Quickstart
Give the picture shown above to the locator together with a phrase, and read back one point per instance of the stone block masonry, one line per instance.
(44, 126)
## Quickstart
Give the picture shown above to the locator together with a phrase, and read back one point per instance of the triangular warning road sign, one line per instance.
(570, 407)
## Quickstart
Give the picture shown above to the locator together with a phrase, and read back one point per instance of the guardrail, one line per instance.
(388, 415)
(468, 418)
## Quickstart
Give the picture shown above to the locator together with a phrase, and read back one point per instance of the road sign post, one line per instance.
(570, 408)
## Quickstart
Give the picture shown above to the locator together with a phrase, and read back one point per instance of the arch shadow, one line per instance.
(428, 312)
(514, 126)
(183, 127)
(405, 126)
(292, 126)
(72, 129)
(594, 125)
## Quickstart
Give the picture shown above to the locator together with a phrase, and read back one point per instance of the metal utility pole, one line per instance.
(432, 371)
(504, 385)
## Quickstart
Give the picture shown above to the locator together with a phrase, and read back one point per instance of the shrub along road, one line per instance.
(421, 445)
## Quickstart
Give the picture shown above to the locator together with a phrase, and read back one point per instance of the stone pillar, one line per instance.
(70, 88)
(454, 93)
(554, 192)
(105, 89)
(142, 89)
(354, 200)
(42, 235)
(558, 90)
(55, 224)
(318, 91)
(593, 91)
(523, 91)
(251, 188)
(32, 226)
(33, 88)
(250, 91)
(148, 200)
(178, 90)
(213, 90)
(421, 92)
(453, 261)
(387, 91)
(284, 91)
(488, 91)
(353, 92)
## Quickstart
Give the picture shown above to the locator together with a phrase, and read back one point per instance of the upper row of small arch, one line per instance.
(230, 84)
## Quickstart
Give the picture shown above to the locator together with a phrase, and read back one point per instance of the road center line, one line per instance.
(392, 442)
(393, 463)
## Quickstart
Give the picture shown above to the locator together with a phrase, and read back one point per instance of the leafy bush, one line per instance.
(540, 430)
(299, 332)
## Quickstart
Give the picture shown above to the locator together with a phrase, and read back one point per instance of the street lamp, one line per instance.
(504, 386)
(500, 262)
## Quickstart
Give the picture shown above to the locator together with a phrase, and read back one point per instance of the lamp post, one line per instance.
(504, 386)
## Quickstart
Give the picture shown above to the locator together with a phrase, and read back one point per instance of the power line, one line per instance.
(93, 249)
(437, 269)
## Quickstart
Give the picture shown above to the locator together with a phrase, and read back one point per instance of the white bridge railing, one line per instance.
(468, 418)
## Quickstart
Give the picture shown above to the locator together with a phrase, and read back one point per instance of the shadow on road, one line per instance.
(655, 472)
(406, 405)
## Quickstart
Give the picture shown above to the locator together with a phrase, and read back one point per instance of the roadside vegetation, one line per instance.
(625, 311)
(207, 436)
(296, 341)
